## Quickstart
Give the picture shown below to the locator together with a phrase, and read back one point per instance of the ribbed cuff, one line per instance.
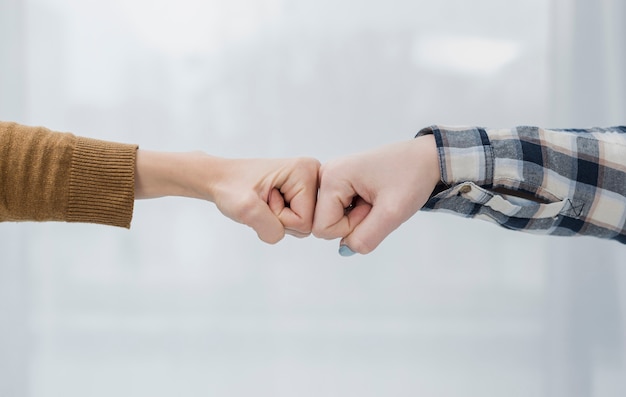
(102, 183)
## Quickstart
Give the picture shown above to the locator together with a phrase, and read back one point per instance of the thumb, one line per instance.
(371, 231)
(260, 217)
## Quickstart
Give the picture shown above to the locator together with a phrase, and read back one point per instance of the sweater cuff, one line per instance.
(102, 183)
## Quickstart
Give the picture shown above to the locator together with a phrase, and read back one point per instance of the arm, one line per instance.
(51, 176)
(273, 196)
(546, 181)
(559, 182)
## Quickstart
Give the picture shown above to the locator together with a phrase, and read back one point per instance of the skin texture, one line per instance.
(273, 196)
(364, 197)
(361, 198)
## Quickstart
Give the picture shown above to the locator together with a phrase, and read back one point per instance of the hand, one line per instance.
(364, 197)
(273, 196)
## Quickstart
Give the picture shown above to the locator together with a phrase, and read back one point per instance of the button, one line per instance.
(465, 189)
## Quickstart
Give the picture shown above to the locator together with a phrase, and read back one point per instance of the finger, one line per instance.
(300, 191)
(276, 201)
(330, 220)
(357, 212)
(335, 195)
(296, 223)
(296, 233)
(298, 215)
(377, 224)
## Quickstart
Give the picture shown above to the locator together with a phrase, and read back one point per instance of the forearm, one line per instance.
(160, 174)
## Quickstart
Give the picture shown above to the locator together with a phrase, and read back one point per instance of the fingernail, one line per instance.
(344, 250)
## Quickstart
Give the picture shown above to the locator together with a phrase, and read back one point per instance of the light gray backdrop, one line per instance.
(188, 303)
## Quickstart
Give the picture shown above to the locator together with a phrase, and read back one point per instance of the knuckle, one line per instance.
(328, 169)
(304, 227)
(306, 165)
(311, 163)
(322, 232)
(296, 233)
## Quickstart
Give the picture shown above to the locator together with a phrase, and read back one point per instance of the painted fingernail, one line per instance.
(344, 250)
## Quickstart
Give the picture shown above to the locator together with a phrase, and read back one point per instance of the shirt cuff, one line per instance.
(465, 154)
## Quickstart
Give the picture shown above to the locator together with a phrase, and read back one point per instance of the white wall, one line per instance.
(190, 303)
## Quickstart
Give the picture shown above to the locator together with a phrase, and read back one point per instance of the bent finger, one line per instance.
(377, 224)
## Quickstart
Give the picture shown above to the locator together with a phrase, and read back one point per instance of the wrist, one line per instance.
(160, 174)
(428, 155)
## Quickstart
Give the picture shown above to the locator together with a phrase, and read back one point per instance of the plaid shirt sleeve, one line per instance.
(547, 181)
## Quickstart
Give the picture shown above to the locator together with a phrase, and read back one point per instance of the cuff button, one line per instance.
(465, 189)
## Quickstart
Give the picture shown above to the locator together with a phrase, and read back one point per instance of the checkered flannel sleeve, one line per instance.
(547, 181)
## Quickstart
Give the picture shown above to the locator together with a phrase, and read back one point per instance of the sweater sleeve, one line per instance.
(53, 176)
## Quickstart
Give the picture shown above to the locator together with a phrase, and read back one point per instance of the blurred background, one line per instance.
(189, 303)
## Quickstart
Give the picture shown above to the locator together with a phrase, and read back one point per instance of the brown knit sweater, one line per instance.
(52, 176)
